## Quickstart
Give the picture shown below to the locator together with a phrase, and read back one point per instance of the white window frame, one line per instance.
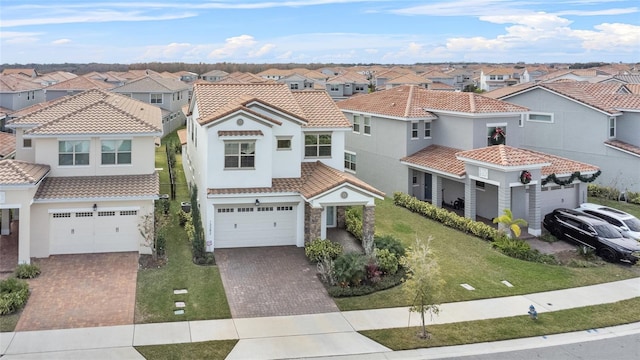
(283, 138)
(239, 155)
(350, 160)
(366, 125)
(27, 143)
(74, 153)
(612, 127)
(318, 146)
(153, 97)
(415, 130)
(117, 152)
(356, 123)
(550, 115)
(427, 130)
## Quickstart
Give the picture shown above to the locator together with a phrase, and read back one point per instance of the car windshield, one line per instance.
(633, 224)
(607, 231)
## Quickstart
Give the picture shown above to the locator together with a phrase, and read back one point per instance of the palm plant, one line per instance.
(510, 223)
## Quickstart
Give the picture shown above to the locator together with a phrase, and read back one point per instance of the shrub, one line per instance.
(387, 261)
(318, 249)
(353, 222)
(13, 295)
(386, 282)
(349, 269)
(373, 271)
(161, 243)
(27, 271)
(519, 249)
(390, 243)
(183, 217)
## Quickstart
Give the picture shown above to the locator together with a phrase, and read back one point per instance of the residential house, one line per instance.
(408, 79)
(17, 92)
(214, 75)
(267, 163)
(440, 146)
(243, 78)
(347, 84)
(298, 82)
(30, 73)
(88, 179)
(170, 95)
(54, 78)
(74, 86)
(595, 123)
(440, 77)
(491, 79)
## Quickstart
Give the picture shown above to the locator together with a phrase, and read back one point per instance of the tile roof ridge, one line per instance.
(407, 108)
(472, 102)
(63, 100)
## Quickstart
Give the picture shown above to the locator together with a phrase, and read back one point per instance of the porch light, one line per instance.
(95, 207)
(257, 202)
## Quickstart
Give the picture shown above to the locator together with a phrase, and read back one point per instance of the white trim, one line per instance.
(496, 124)
(433, 171)
(609, 127)
(621, 150)
(486, 181)
(501, 167)
(477, 115)
(10, 206)
(390, 117)
(551, 115)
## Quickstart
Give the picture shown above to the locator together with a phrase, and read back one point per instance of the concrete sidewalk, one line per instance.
(316, 335)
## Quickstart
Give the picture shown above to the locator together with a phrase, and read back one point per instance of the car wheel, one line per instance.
(609, 255)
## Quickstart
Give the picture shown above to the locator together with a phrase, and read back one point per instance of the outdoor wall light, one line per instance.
(257, 202)
(95, 207)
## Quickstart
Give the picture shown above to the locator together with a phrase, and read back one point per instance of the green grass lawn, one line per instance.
(212, 350)
(206, 298)
(624, 206)
(467, 259)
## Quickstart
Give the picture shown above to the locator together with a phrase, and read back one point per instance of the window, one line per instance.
(26, 143)
(317, 145)
(492, 77)
(359, 88)
(499, 77)
(548, 118)
(427, 130)
(293, 86)
(73, 152)
(367, 125)
(31, 95)
(496, 135)
(350, 161)
(414, 130)
(283, 143)
(480, 185)
(239, 155)
(334, 88)
(612, 127)
(116, 152)
(356, 123)
(156, 98)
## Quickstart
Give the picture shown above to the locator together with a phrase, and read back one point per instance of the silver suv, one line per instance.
(628, 224)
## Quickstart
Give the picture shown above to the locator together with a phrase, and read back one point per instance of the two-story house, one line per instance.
(214, 75)
(491, 79)
(595, 123)
(347, 84)
(440, 146)
(170, 95)
(18, 92)
(267, 163)
(74, 86)
(87, 178)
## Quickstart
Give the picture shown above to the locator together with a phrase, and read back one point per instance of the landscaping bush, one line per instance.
(27, 271)
(386, 282)
(349, 269)
(322, 248)
(161, 244)
(353, 222)
(183, 217)
(390, 243)
(519, 249)
(611, 193)
(13, 295)
(387, 261)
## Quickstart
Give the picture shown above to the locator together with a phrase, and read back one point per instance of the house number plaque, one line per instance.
(483, 173)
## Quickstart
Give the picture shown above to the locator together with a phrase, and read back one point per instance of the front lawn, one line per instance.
(212, 350)
(155, 301)
(465, 259)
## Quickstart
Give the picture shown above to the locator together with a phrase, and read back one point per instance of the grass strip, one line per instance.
(212, 350)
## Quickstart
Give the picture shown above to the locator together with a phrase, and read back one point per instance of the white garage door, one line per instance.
(248, 226)
(558, 197)
(94, 232)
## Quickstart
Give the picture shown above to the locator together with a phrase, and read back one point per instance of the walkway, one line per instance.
(321, 335)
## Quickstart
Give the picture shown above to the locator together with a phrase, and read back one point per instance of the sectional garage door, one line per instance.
(94, 232)
(250, 225)
(558, 197)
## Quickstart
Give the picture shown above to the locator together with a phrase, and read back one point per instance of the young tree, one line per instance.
(507, 221)
(423, 282)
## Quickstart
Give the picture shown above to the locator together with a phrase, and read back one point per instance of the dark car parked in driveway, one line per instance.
(592, 232)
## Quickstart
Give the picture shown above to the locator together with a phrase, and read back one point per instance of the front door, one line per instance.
(427, 186)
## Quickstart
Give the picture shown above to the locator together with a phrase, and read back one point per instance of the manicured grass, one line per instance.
(8, 322)
(155, 300)
(467, 259)
(469, 332)
(213, 350)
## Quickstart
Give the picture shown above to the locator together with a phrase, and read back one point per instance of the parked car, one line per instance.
(590, 231)
(628, 224)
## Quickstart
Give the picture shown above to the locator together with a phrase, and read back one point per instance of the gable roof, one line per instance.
(149, 84)
(406, 79)
(80, 83)
(16, 172)
(316, 178)
(320, 110)
(439, 158)
(17, 83)
(93, 112)
(411, 101)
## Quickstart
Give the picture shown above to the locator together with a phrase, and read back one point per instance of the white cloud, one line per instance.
(615, 37)
(97, 16)
(232, 46)
(61, 41)
(262, 51)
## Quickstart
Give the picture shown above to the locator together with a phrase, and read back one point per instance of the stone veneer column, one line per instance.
(436, 190)
(535, 217)
(341, 213)
(368, 228)
(470, 198)
(504, 202)
(314, 224)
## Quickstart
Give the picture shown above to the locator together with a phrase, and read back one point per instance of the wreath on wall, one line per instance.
(497, 136)
(525, 177)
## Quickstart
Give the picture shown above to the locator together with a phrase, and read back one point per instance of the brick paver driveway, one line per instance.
(81, 291)
(271, 281)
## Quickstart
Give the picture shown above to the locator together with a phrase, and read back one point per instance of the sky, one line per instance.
(319, 31)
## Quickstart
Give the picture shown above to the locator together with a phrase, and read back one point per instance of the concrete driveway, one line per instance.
(81, 291)
(271, 281)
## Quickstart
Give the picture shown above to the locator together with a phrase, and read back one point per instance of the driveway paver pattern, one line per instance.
(271, 281)
(75, 291)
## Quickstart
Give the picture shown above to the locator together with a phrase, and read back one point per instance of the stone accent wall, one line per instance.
(313, 223)
(368, 228)
(341, 220)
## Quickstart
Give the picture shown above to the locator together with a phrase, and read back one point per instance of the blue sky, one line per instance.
(324, 31)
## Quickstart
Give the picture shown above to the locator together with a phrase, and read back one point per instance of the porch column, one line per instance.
(341, 217)
(6, 220)
(24, 236)
(470, 198)
(368, 228)
(314, 224)
(436, 190)
(535, 217)
(504, 202)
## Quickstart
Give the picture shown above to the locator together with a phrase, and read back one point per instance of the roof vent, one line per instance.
(393, 104)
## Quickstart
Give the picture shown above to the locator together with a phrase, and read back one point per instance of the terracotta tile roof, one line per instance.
(439, 158)
(563, 166)
(348, 77)
(34, 107)
(240, 133)
(502, 155)
(499, 71)
(16, 172)
(80, 83)
(436, 85)
(414, 102)
(182, 136)
(633, 88)
(624, 146)
(149, 84)
(407, 79)
(243, 78)
(98, 187)
(27, 72)
(7, 144)
(316, 179)
(93, 112)
(16, 83)
(320, 110)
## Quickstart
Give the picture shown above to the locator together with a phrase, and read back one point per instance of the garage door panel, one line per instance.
(557, 197)
(115, 232)
(72, 233)
(248, 226)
